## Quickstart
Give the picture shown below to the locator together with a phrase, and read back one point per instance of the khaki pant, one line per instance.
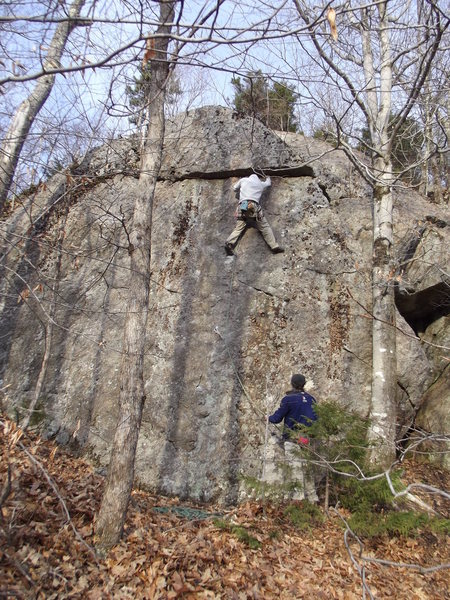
(284, 465)
(300, 473)
(261, 224)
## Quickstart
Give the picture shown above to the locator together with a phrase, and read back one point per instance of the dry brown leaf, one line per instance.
(24, 294)
(331, 16)
(149, 51)
(190, 560)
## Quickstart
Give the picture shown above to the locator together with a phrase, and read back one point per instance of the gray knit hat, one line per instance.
(298, 381)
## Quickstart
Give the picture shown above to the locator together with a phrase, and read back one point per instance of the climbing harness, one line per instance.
(248, 209)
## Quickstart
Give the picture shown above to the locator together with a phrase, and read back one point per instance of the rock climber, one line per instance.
(297, 408)
(249, 213)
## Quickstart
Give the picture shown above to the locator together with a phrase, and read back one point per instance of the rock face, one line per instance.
(225, 334)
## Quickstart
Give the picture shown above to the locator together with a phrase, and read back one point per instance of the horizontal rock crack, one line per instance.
(298, 171)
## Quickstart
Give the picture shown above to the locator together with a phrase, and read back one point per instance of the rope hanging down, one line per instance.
(255, 409)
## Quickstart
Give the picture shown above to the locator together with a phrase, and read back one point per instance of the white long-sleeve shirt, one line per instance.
(251, 188)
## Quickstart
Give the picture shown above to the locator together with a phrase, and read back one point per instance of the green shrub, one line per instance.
(243, 535)
(440, 526)
(404, 523)
(304, 516)
(395, 523)
(338, 443)
(340, 435)
(374, 495)
(240, 532)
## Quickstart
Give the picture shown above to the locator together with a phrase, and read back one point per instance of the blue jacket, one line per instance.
(295, 408)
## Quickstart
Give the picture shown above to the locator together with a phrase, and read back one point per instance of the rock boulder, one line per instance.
(224, 334)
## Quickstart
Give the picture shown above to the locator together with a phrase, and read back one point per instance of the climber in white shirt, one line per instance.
(249, 213)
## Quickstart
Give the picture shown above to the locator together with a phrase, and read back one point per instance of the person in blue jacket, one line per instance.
(297, 408)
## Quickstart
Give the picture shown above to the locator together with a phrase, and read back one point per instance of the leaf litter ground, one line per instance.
(170, 550)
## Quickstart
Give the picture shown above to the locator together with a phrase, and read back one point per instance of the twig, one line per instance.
(361, 569)
(381, 561)
(61, 500)
(19, 566)
(6, 488)
(390, 563)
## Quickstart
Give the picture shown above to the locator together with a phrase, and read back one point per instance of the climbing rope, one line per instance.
(186, 512)
(230, 290)
(266, 439)
(255, 409)
(253, 406)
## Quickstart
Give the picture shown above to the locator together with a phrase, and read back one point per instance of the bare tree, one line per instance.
(187, 37)
(24, 117)
(368, 85)
(119, 483)
(368, 62)
(436, 124)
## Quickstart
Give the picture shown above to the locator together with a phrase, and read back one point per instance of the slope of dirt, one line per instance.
(49, 500)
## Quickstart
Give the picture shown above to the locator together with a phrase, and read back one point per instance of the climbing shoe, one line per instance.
(229, 249)
(277, 250)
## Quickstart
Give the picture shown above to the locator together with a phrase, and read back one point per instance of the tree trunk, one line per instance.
(384, 359)
(326, 503)
(119, 482)
(374, 98)
(382, 414)
(23, 119)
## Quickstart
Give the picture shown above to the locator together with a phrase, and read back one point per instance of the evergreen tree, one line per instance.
(273, 105)
(251, 95)
(282, 99)
(338, 445)
(138, 92)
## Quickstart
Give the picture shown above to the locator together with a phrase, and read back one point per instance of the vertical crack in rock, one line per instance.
(324, 190)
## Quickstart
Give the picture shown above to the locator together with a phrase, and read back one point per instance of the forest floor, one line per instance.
(173, 551)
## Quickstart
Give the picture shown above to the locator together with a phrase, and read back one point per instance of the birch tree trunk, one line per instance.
(23, 119)
(119, 483)
(375, 104)
(382, 415)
